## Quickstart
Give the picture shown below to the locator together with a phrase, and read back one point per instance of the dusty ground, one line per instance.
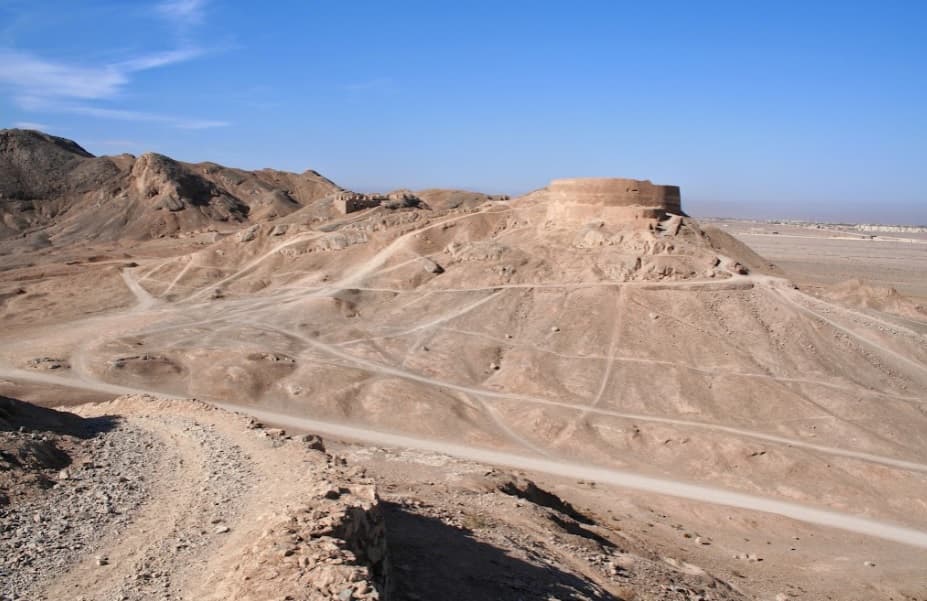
(816, 256)
(758, 556)
(667, 362)
(737, 382)
(178, 500)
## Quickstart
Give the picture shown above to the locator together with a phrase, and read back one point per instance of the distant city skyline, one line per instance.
(761, 110)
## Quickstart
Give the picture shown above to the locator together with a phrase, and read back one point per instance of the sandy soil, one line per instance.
(680, 366)
(815, 258)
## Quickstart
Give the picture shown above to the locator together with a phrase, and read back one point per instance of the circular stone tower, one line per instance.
(610, 199)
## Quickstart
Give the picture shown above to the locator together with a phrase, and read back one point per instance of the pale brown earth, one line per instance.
(664, 360)
(227, 510)
(819, 255)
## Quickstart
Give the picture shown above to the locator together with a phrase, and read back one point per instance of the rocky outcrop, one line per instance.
(34, 444)
(35, 165)
(54, 184)
(331, 547)
(169, 186)
(441, 199)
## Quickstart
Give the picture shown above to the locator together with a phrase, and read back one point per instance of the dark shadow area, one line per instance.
(35, 442)
(529, 491)
(20, 416)
(575, 529)
(431, 560)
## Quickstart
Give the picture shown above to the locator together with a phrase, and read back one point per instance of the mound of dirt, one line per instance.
(728, 245)
(35, 443)
(521, 487)
(857, 293)
(442, 199)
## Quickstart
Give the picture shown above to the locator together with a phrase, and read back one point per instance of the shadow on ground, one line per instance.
(20, 416)
(432, 560)
(35, 442)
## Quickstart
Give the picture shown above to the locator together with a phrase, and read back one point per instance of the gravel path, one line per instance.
(187, 511)
(91, 500)
(128, 521)
(183, 501)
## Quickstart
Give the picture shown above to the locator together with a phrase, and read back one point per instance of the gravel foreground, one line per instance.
(181, 501)
(93, 498)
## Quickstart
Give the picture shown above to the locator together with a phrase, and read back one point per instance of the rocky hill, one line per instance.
(589, 330)
(55, 190)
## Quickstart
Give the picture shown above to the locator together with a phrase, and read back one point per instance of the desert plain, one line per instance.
(577, 393)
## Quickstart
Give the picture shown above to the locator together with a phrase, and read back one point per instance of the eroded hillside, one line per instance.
(585, 326)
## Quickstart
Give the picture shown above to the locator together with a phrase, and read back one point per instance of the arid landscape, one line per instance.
(229, 384)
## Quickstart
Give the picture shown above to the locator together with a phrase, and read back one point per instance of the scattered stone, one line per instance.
(430, 266)
(249, 234)
(49, 363)
(346, 594)
(313, 442)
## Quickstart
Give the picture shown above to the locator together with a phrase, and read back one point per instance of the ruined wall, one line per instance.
(348, 202)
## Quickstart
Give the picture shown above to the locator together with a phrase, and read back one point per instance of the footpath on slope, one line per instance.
(180, 500)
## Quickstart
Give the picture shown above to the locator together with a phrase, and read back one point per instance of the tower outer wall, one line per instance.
(610, 200)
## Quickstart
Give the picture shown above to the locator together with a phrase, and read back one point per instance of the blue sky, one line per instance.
(779, 109)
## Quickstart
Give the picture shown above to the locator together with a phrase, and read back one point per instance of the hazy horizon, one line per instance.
(755, 111)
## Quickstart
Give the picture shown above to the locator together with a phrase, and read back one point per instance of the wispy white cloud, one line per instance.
(30, 75)
(40, 84)
(33, 76)
(40, 104)
(183, 12)
(32, 125)
(127, 115)
(159, 59)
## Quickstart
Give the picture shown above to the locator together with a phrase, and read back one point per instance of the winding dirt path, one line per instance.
(675, 488)
(216, 486)
(144, 300)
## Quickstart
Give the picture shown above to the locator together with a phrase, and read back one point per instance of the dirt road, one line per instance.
(660, 486)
